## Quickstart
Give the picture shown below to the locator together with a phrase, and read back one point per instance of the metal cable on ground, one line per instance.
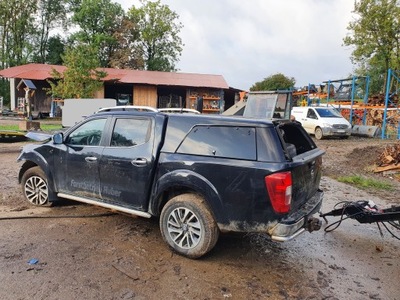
(343, 217)
(58, 217)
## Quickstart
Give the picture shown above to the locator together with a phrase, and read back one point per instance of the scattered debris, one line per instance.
(389, 159)
(33, 261)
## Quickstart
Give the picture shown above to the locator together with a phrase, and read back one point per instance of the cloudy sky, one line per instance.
(247, 41)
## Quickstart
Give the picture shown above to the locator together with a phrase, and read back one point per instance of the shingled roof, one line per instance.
(43, 72)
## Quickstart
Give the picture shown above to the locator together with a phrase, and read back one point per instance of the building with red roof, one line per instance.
(136, 87)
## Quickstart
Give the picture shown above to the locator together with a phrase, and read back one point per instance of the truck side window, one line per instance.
(221, 141)
(89, 134)
(311, 114)
(130, 132)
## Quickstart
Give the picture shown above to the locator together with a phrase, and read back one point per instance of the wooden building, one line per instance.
(134, 87)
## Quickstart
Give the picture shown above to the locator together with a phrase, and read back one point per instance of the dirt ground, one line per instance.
(122, 257)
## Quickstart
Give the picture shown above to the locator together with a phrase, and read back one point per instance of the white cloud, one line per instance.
(246, 41)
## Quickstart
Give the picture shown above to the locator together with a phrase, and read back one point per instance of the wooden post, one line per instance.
(29, 125)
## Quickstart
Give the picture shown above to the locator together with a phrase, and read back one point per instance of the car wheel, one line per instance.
(188, 226)
(318, 133)
(35, 188)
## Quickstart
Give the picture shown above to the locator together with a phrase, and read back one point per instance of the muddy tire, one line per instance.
(187, 226)
(318, 133)
(35, 187)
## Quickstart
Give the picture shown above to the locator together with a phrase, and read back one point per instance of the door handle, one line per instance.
(91, 159)
(139, 162)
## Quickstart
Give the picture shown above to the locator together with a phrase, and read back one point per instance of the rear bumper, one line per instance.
(299, 221)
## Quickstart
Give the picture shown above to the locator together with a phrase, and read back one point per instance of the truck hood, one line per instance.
(38, 136)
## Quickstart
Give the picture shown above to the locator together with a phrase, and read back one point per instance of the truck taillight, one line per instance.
(279, 186)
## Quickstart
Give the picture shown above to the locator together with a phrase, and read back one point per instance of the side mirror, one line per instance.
(58, 138)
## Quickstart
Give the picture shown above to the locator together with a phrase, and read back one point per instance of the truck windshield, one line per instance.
(328, 113)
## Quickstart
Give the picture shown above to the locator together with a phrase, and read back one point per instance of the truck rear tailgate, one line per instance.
(306, 176)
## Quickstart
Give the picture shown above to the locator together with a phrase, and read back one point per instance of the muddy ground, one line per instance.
(122, 257)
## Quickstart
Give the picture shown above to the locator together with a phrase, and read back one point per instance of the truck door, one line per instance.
(127, 163)
(310, 121)
(78, 158)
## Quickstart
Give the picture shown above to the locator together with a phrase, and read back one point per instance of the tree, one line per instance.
(274, 82)
(126, 56)
(375, 36)
(98, 21)
(17, 31)
(81, 79)
(51, 14)
(157, 39)
(55, 50)
(16, 37)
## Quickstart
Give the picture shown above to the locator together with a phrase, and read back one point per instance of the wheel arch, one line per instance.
(185, 181)
(28, 164)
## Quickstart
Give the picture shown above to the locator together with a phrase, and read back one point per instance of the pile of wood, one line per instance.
(379, 99)
(375, 118)
(389, 159)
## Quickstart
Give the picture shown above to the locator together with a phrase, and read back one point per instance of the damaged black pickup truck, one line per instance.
(199, 174)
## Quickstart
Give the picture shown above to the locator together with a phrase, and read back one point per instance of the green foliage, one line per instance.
(5, 91)
(51, 14)
(55, 50)
(375, 37)
(17, 31)
(125, 55)
(98, 21)
(157, 35)
(363, 182)
(25, 27)
(147, 38)
(80, 79)
(274, 82)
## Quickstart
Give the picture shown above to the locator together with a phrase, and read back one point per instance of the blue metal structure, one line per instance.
(355, 84)
(392, 74)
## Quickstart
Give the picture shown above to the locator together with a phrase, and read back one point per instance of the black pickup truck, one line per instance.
(199, 174)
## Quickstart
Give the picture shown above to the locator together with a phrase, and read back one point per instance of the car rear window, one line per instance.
(221, 141)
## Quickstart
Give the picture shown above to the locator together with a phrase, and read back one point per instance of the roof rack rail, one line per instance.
(179, 110)
(128, 108)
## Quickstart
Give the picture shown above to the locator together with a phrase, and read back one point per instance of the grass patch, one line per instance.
(9, 127)
(43, 126)
(363, 182)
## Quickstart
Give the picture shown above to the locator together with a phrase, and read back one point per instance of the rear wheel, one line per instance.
(34, 187)
(188, 226)
(318, 133)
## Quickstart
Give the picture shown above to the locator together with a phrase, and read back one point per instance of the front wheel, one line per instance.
(34, 187)
(318, 133)
(188, 226)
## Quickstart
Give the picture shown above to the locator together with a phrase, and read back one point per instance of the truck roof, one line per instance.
(194, 118)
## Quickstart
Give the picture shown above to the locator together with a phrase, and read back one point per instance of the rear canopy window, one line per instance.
(221, 141)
